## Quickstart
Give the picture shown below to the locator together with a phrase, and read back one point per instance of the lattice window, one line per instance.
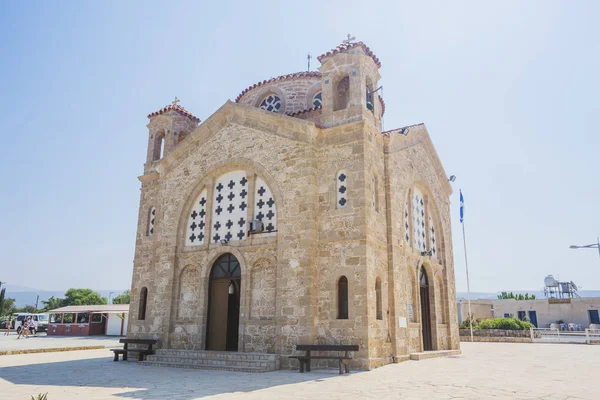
(196, 226)
(230, 207)
(271, 103)
(151, 221)
(418, 210)
(342, 189)
(317, 100)
(406, 225)
(432, 242)
(265, 209)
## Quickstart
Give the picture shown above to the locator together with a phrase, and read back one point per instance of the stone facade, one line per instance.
(291, 289)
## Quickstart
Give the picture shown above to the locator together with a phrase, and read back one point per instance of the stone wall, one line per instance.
(497, 335)
(296, 94)
(289, 281)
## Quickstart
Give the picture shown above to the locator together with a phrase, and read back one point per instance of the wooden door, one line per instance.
(217, 323)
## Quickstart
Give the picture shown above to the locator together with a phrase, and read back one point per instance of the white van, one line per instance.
(40, 321)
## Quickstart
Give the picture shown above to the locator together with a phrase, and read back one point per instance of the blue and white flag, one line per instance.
(462, 207)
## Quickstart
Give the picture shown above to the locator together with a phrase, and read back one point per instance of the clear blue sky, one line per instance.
(508, 90)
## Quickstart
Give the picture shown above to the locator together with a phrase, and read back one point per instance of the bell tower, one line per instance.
(168, 127)
(350, 79)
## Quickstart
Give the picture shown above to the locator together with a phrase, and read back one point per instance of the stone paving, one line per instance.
(42, 341)
(484, 370)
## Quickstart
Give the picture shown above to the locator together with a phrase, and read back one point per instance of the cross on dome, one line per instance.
(176, 101)
(350, 39)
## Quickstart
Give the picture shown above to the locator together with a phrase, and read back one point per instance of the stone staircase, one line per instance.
(216, 360)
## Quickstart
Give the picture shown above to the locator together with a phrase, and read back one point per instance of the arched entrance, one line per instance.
(224, 304)
(425, 310)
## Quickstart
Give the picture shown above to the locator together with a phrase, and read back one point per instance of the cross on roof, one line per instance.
(350, 39)
(175, 101)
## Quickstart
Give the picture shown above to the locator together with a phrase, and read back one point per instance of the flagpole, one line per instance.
(467, 268)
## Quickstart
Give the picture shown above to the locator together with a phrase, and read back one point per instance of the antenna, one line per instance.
(308, 57)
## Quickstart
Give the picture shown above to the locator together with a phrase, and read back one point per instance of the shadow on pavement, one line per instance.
(154, 382)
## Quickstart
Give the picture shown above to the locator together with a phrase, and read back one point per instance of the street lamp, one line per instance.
(589, 246)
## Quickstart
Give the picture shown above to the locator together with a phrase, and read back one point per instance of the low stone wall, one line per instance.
(495, 339)
(495, 335)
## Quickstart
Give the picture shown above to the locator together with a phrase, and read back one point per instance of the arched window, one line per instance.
(369, 96)
(197, 222)
(271, 103)
(432, 243)
(159, 146)
(418, 218)
(342, 288)
(151, 219)
(379, 311)
(142, 305)
(342, 189)
(341, 94)
(265, 209)
(317, 100)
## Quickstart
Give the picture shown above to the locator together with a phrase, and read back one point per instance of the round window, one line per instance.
(271, 103)
(317, 100)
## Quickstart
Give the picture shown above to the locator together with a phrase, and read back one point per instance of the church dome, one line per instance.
(286, 94)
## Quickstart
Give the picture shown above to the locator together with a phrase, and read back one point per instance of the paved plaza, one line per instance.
(42, 341)
(484, 370)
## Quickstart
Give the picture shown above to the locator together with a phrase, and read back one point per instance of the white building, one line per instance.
(541, 312)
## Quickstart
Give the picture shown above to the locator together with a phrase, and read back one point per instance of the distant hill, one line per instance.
(26, 296)
(539, 294)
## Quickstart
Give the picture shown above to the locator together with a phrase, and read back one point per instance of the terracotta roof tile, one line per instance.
(295, 114)
(382, 105)
(305, 74)
(176, 108)
(347, 46)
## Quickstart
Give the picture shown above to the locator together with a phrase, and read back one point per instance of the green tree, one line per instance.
(123, 298)
(52, 303)
(27, 309)
(8, 306)
(81, 297)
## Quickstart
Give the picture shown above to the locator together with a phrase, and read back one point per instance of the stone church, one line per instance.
(289, 217)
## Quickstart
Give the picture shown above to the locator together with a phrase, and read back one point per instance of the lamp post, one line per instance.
(588, 246)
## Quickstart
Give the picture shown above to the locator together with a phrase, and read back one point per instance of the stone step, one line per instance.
(214, 361)
(425, 355)
(209, 367)
(230, 355)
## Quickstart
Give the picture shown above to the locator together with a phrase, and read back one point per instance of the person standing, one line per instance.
(8, 326)
(21, 329)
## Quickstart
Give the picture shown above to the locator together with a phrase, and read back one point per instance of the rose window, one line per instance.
(271, 103)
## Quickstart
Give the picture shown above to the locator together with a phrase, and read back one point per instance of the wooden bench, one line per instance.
(141, 352)
(343, 360)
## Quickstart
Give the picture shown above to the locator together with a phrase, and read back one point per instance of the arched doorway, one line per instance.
(224, 304)
(425, 310)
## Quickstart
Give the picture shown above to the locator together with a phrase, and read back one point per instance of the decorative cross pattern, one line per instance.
(432, 243)
(151, 219)
(265, 209)
(229, 207)
(197, 221)
(342, 188)
(418, 209)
